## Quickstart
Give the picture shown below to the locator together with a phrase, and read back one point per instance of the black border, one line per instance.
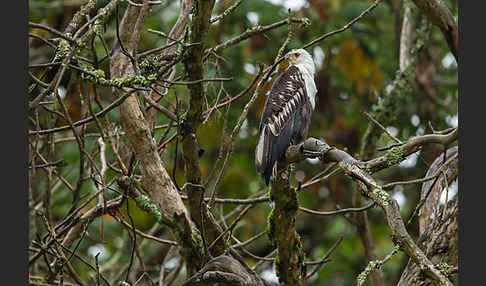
(471, 64)
(14, 210)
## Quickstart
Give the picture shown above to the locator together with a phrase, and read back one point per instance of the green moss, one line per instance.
(147, 205)
(78, 17)
(293, 204)
(396, 241)
(271, 226)
(63, 49)
(197, 240)
(298, 248)
(270, 196)
(395, 155)
(98, 28)
(278, 266)
(445, 268)
(98, 77)
(372, 265)
(191, 246)
(99, 73)
(368, 169)
(298, 244)
(151, 64)
(383, 196)
(130, 80)
(197, 251)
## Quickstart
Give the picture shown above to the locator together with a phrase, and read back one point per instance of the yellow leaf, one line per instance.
(360, 69)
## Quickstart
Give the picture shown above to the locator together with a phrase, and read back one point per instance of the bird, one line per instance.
(288, 109)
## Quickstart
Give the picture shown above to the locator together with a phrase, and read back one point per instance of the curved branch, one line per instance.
(431, 192)
(341, 211)
(441, 16)
(224, 269)
(360, 173)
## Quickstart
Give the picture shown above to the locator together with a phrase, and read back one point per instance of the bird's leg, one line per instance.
(274, 172)
(280, 171)
(291, 166)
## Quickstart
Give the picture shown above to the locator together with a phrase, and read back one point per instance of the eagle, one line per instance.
(288, 108)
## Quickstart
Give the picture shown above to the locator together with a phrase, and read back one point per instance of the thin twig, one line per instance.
(324, 259)
(382, 128)
(344, 28)
(340, 211)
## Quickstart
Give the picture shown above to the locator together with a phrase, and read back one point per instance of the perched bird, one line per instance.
(287, 112)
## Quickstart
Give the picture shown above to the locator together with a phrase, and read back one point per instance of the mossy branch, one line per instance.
(360, 173)
(374, 265)
(194, 68)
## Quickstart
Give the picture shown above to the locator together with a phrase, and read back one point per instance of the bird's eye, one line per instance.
(297, 54)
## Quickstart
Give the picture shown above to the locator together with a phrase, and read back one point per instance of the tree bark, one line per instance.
(438, 228)
(441, 16)
(289, 263)
(360, 173)
(155, 179)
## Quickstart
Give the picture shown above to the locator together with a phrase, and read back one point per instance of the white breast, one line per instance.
(310, 85)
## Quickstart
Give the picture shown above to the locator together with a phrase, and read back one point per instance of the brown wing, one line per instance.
(285, 120)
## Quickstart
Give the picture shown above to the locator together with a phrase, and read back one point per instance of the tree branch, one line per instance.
(193, 64)
(360, 173)
(224, 269)
(154, 180)
(437, 232)
(441, 16)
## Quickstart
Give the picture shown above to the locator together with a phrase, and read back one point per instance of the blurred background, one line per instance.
(353, 69)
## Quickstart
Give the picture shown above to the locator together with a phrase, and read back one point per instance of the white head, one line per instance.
(301, 58)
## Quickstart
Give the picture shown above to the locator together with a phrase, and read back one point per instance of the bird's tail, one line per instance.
(262, 160)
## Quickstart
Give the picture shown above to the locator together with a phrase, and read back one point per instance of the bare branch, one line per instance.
(341, 211)
(345, 27)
